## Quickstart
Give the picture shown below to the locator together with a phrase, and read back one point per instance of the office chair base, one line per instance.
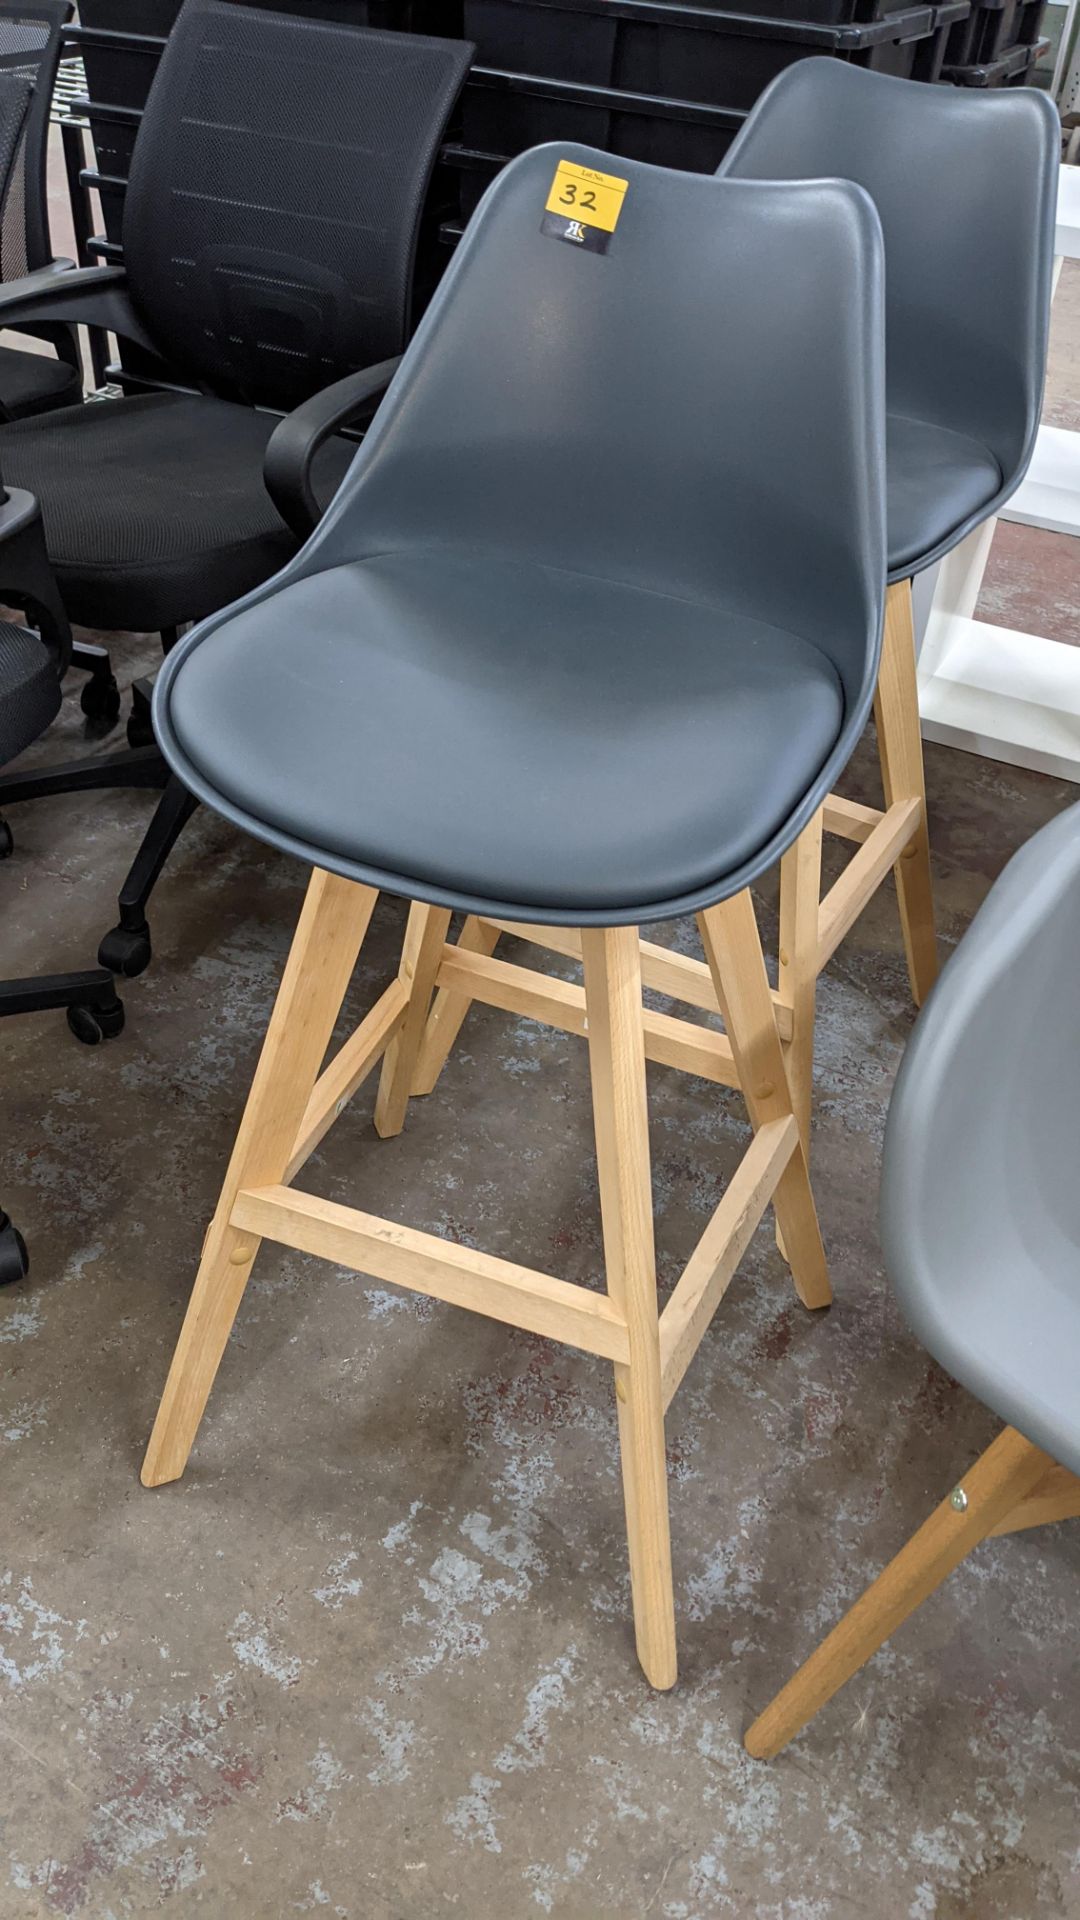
(94, 1013)
(14, 1259)
(7, 840)
(1014, 1485)
(145, 768)
(295, 1100)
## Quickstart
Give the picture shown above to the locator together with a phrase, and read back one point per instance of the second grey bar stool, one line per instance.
(965, 184)
(574, 644)
(981, 1229)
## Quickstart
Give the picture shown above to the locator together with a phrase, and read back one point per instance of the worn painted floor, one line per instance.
(372, 1657)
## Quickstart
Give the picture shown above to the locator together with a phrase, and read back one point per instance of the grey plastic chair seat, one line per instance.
(981, 1191)
(936, 479)
(548, 779)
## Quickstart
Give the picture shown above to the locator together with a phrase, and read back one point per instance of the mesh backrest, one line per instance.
(29, 56)
(275, 194)
(15, 92)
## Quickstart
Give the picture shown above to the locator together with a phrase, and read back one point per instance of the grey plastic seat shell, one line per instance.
(600, 504)
(965, 182)
(980, 1209)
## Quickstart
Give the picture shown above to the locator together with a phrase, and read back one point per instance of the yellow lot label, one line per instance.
(582, 194)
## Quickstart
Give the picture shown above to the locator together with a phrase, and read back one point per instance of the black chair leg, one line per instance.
(126, 949)
(14, 1259)
(94, 1013)
(100, 698)
(145, 768)
(7, 839)
(140, 726)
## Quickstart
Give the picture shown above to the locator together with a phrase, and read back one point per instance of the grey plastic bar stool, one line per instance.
(965, 184)
(980, 1219)
(595, 657)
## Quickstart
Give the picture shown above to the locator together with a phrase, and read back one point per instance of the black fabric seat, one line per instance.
(155, 506)
(935, 477)
(558, 783)
(37, 382)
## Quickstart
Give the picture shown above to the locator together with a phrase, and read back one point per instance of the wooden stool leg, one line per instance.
(612, 963)
(449, 1009)
(896, 711)
(800, 906)
(732, 947)
(425, 937)
(1006, 1472)
(328, 939)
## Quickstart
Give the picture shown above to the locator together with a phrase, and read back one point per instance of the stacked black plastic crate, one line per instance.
(998, 45)
(662, 80)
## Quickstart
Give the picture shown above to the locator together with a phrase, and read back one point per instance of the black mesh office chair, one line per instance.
(30, 45)
(269, 236)
(33, 660)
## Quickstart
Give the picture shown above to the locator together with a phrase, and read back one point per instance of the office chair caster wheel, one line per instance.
(100, 698)
(126, 950)
(7, 840)
(92, 1025)
(14, 1259)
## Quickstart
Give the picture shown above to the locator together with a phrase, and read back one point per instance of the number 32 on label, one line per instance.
(580, 193)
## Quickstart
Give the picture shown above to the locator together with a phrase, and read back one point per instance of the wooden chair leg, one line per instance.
(800, 906)
(896, 711)
(733, 949)
(329, 936)
(997, 1483)
(449, 1009)
(612, 964)
(425, 937)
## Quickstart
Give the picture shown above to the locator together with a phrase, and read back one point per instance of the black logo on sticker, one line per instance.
(575, 233)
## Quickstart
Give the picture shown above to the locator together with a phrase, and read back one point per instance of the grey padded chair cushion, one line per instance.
(602, 593)
(154, 506)
(408, 734)
(29, 690)
(965, 183)
(981, 1196)
(934, 478)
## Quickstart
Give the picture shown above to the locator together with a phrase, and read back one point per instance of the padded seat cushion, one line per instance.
(29, 690)
(154, 506)
(505, 731)
(936, 480)
(35, 382)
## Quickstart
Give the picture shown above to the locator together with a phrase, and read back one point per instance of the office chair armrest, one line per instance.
(295, 442)
(26, 577)
(75, 296)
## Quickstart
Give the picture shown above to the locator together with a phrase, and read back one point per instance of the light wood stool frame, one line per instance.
(295, 1099)
(1013, 1485)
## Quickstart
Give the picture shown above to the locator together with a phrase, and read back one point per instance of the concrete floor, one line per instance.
(372, 1656)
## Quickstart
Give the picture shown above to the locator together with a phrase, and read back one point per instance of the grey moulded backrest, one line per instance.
(965, 183)
(981, 1178)
(276, 188)
(647, 414)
